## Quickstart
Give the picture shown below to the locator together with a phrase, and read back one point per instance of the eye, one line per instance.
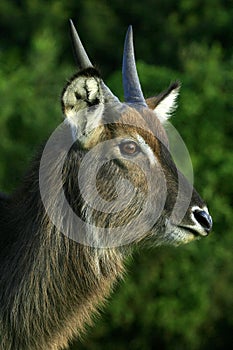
(130, 148)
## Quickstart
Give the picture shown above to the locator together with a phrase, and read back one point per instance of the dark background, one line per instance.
(172, 298)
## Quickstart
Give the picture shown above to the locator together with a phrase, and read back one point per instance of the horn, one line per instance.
(132, 88)
(80, 54)
(83, 61)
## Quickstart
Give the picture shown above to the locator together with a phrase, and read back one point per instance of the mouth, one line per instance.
(198, 224)
(189, 230)
(196, 232)
(181, 234)
(173, 234)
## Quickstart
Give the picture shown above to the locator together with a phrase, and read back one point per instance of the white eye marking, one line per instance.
(147, 150)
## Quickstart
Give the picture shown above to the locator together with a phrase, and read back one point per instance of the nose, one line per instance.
(204, 219)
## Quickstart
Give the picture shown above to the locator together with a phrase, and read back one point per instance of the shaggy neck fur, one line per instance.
(49, 284)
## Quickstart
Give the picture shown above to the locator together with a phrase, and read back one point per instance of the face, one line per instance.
(138, 158)
(135, 192)
(134, 186)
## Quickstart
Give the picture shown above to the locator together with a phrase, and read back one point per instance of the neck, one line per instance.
(50, 284)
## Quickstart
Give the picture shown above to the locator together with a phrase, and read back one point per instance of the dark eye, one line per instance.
(129, 148)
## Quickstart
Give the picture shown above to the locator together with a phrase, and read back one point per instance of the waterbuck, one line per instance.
(104, 182)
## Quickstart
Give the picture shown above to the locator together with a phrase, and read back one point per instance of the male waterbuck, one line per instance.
(104, 182)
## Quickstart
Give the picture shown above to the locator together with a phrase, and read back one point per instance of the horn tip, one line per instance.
(72, 27)
(71, 22)
(130, 30)
(129, 38)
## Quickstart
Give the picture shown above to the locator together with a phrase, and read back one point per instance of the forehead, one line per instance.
(143, 122)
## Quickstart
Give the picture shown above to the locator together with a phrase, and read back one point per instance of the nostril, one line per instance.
(204, 219)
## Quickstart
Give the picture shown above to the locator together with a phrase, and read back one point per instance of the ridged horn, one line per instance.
(132, 87)
(80, 54)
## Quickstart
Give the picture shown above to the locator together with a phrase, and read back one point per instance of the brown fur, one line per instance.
(50, 285)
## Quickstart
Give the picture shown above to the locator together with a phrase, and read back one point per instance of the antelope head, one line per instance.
(129, 188)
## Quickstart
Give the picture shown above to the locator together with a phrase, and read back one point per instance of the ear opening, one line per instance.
(83, 103)
(165, 103)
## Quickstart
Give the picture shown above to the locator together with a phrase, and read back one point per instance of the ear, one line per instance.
(83, 103)
(165, 103)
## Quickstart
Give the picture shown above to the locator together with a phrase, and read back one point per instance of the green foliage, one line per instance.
(172, 298)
